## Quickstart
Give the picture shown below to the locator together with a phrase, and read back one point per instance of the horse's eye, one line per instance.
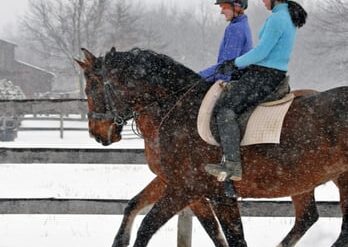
(97, 66)
(107, 62)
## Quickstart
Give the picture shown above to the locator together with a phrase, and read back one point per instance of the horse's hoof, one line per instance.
(120, 243)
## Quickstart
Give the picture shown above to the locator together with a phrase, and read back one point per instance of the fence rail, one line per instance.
(43, 106)
(110, 206)
(78, 155)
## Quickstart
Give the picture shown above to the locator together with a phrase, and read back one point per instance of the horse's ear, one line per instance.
(82, 64)
(113, 51)
(89, 56)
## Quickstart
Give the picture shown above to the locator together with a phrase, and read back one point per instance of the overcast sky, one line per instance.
(11, 9)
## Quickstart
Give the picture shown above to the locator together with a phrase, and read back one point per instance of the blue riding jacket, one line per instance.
(237, 40)
(276, 42)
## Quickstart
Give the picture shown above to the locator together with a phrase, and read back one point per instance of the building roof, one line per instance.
(7, 42)
(36, 68)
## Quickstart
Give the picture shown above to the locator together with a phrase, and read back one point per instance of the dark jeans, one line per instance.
(253, 86)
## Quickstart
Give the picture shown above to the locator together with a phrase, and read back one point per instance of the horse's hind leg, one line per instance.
(342, 184)
(306, 214)
(203, 211)
(146, 197)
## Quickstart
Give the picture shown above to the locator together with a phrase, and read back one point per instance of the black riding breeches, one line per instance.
(251, 89)
(253, 86)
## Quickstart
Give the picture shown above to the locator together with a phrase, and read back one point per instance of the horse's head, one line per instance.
(104, 121)
(128, 82)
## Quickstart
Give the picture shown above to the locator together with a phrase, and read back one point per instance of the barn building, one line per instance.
(31, 79)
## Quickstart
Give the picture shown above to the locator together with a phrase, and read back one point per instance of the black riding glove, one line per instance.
(228, 67)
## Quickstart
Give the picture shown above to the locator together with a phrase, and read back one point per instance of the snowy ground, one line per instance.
(108, 181)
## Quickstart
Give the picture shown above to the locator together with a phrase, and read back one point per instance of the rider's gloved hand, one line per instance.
(228, 67)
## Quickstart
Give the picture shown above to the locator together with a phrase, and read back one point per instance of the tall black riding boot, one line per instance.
(230, 167)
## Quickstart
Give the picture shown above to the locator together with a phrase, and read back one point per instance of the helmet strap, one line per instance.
(272, 4)
(237, 11)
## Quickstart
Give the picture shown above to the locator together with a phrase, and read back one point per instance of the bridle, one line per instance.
(111, 112)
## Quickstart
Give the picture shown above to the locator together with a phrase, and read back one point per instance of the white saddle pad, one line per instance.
(264, 124)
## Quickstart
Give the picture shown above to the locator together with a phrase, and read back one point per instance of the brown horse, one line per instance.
(313, 149)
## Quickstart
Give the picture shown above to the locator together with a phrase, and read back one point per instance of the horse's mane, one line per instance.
(154, 68)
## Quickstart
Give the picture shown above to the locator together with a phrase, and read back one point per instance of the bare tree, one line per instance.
(151, 36)
(321, 54)
(156, 28)
(58, 29)
(206, 25)
(329, 23)
(123, 24)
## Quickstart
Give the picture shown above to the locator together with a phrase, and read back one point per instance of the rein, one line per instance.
(122, 120)
(177, 102)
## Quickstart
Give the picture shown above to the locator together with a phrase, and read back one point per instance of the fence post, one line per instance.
(61, 126)
(184, 238)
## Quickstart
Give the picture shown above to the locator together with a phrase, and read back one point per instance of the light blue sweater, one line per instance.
(276, 41)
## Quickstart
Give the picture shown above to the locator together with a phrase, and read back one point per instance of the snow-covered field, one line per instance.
(108, 181)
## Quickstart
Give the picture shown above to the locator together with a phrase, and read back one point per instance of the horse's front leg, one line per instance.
(227, 211)
(306, 215)
(149, 195)
(172, 202)
(204, 213)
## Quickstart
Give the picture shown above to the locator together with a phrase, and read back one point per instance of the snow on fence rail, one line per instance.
(106, 156)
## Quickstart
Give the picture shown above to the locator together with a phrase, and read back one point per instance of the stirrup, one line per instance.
(227, 170)
(217, 171)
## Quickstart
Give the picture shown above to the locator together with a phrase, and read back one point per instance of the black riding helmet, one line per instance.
(242, 3)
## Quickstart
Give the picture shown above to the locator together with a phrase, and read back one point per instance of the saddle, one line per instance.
(261, 124)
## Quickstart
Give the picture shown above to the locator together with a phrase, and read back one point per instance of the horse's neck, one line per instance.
(149, 121)
(182, 117)
(182, 108)
(148, 126)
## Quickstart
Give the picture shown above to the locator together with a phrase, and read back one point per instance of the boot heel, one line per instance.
(236, 178)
